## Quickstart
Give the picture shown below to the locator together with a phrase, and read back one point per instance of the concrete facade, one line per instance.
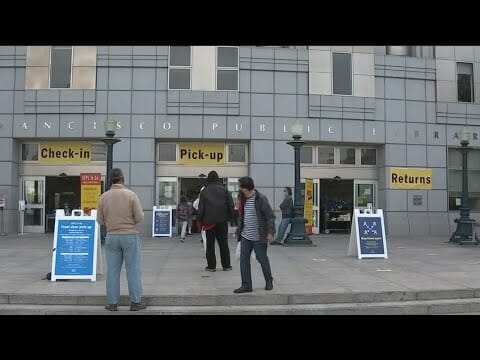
(403, 106)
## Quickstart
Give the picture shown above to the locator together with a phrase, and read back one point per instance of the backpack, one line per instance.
(182, 212)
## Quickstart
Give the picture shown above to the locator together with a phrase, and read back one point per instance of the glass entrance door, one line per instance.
(365, 193)
(33, 192)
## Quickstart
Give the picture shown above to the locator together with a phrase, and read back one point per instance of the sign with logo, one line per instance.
(162, 221)
(90, 189)
(75, 243)
(65, 153)
(308, 206)
(202, 153)
(2, 200)
(367, 236)
(408, 178)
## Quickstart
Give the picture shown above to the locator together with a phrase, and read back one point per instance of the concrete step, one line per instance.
(250, 299)
(422, 307)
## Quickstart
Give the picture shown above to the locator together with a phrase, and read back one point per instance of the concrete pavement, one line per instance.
(418, 269)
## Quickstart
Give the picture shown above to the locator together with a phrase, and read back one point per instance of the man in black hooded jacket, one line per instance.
(215, 208)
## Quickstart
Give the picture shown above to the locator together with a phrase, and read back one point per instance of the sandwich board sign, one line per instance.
(75, 246)
(367, 236)
(162, 221)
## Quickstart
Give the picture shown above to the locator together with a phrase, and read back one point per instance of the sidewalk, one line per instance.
(174, 268)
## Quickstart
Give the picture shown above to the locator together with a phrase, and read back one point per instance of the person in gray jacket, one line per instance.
(256, 227)
(215, 209)
(287, 213)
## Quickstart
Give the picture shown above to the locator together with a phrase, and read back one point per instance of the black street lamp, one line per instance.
(464, 231)
(109, 139)
(297, 235)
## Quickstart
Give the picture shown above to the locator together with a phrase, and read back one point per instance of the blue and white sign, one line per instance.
(162, 221)
(75, 246)
(367, 237)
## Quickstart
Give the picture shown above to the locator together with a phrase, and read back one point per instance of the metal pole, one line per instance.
(297, 235)
(109, 164)
(2, 224)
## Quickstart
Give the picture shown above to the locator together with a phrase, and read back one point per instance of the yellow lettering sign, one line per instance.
(408, 178)
(202, 154)
(65, 153)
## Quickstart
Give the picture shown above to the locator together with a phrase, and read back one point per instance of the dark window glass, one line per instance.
(167, 152)
(227, 79)
(306, 155)
(180, 56)
(227, 57)
(347, 156)
(342, 74)
(465, 82)
(179, 79)
(60, 67)
(369, 157)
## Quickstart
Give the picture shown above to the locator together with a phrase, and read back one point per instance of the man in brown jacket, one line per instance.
(119, 209)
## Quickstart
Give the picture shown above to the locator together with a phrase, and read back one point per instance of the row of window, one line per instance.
(455, 178)
(169, 152)
(180, 68)
(333, 155)
(61, 67)
(30, 152)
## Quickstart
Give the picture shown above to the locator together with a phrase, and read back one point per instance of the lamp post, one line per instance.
(109, 139)
(297, 235)
(464, 231)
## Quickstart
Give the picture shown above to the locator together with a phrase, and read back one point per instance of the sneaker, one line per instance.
(269, 285)
(275, 243)
(210, 269)
(137, 306)
(182, 240)
(242, 289)
(227, 268)
(189, 234)
(111, 307)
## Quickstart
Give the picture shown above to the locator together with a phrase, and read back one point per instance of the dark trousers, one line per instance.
(220, 232)
(260, 253)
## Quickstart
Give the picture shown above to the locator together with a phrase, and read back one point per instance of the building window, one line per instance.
(180, 68)
(368, 157)
(99, 152)
(29, 152)
(342, 73)
(326, 155)
(60, 67)
(236, 153)
(306, 155)
(347, 156)
(167, 152)
(455, 178)
(465, 82)
(227, 68)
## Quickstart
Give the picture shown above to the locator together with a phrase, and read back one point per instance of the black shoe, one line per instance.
(111, 307)
(137, 306)
(269, 285)
(242, 289)
(210, 269)
(227, 268)
(275, 243)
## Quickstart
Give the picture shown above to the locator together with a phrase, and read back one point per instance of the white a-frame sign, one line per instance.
(367, 236)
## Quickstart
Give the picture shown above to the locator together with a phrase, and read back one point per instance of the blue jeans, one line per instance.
(117, 248)
(282, 228)
(260, 248)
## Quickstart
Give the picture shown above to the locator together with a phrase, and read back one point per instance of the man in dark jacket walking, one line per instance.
(215, 208)
(256, 227)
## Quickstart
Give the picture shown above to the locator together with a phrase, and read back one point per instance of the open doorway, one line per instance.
(190, 188)
(336, 205)
(62, 192)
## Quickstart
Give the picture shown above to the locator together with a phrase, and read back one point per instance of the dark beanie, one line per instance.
(212, 176)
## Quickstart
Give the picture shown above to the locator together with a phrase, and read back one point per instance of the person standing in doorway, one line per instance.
(119, 209)
(215, 209)
(256, 227)
(287, 213)
(183, 213)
